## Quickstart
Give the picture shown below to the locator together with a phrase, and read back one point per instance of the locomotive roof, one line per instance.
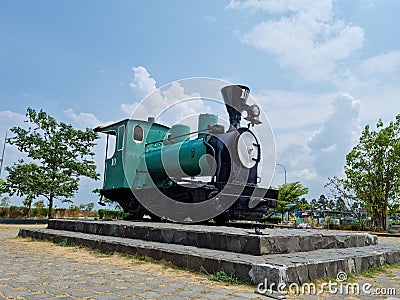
(101, 128)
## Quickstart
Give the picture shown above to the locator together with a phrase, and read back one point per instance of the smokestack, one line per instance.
(235, 98)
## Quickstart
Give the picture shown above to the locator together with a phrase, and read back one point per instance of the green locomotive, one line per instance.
(153, 168)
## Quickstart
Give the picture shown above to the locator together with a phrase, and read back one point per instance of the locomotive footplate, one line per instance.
(253, 203)
(251, 196)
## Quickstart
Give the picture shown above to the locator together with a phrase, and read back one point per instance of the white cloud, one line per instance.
(338, 134)
(320, 10)
(82, 119)
(306, 174)
(383, 64)
(8, 118)
(142, 83)
(168, 104)
(311, 156)
(305, 36)
(293, 110)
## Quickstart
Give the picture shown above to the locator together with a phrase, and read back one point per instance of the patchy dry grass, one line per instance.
(145, 264)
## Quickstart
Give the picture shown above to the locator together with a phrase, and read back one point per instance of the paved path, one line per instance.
(383, 285)
(41, 270)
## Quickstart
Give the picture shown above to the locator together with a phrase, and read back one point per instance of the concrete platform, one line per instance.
(276, 269)
(239, 240)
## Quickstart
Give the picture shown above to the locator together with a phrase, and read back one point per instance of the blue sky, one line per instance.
(321, 69)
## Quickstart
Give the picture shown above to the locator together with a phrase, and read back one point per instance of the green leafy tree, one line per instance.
(340, 192)
(373, 171)
(313, 204)
(322, 203)
(5, 202)
(341, 205)
(2, 185)
(331, 204)
(39, 205)
(21, 181)
(87, 206)
(394, 208)
(302, 204)
(60, 154)
(290, 193)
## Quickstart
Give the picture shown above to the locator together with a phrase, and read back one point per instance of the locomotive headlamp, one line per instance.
(254, 111)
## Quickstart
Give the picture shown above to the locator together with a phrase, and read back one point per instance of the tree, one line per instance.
(60, 154)
(290, 193)
(373, 171)
(5, 202)
(2, 183)
(393, 209)
(39, 204)
(313, 204)
(302, 204)
(322, 203)
(331, 204)
(23, 179)
(340, 205)
(340, 192)
(87, 206)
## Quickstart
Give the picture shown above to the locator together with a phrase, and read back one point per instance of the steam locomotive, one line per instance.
(152, 162)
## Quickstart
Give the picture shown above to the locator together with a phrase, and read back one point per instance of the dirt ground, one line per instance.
(166, 275)
(85, 255)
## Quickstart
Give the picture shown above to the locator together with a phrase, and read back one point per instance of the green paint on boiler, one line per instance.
(186, 156)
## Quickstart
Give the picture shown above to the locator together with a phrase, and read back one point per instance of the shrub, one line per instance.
(34, 212)
(111, 214)
(273, 220)
(3, 212)
(61, 212)
(16, 212)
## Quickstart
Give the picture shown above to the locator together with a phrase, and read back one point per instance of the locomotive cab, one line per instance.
(126, 141)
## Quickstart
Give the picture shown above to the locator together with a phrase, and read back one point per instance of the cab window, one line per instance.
(111, 143)
(120, 138)
(138, 134)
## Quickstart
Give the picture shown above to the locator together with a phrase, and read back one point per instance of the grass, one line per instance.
(351, 278)
(95, 252)
(393, 266)
(222, 276)
(141, 257)
(64, 243)
(101, 253)
(372, 272)
(329, 279)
